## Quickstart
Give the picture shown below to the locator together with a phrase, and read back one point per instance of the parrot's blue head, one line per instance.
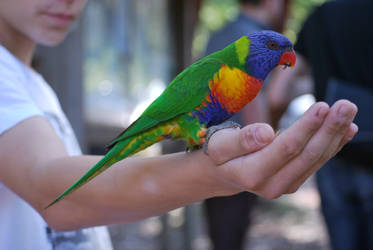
(267, 50)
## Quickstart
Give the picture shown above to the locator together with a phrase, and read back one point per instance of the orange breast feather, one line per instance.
(233, 88)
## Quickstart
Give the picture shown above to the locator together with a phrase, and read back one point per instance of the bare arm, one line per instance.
(34, 164)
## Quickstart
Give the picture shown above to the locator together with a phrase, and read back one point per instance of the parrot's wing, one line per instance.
(183, 94)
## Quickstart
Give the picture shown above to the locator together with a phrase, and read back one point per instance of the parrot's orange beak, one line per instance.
(288, 58)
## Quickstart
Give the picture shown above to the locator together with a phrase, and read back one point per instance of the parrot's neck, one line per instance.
(231, 56)
(260, 64)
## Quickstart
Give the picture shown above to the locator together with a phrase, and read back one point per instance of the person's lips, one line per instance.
(60, 19)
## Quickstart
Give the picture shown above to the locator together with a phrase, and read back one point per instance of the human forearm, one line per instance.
(130, 190)
(37, 168)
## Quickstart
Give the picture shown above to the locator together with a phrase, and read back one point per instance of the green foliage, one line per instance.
(215, 13)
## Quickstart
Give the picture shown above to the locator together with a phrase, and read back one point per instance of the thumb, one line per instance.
(227, 144)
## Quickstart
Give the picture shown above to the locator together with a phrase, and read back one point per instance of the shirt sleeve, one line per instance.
(15, 103)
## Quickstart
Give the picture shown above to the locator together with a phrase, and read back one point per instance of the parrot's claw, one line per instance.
(192, 148)
(213, 129)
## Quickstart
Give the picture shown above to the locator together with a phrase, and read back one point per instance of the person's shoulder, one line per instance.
(242, 25)
(10, 66)
(231, 32)
(16, 103)
(346, 9)
(346, 4)
(12, 75)
(347, 20)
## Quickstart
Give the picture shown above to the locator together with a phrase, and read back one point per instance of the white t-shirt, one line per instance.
(23, 94)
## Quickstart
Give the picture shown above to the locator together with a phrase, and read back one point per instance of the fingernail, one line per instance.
(262, 135)
(343, 111)
(322, 112)
(355, 129)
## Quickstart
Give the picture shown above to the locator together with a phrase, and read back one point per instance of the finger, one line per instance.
(348, 136)
(322, 146)
(227, 144)
(290, 143)
(254, 171)
(333, 131)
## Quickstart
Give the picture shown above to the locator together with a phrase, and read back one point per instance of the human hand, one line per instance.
(257, 161)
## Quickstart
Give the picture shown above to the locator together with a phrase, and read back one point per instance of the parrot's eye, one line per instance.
(272, 45)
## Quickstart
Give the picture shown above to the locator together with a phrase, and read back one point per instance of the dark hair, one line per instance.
(253, 2)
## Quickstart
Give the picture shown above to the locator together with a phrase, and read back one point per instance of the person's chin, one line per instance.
(52, 39)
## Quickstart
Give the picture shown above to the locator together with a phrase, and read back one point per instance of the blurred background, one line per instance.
(119, 58)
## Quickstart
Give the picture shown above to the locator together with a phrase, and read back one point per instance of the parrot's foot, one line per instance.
(213, 129)
(277, 132)
(192, 148)
(196, 143)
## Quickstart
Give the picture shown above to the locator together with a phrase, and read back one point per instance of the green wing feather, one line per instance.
(184, 93)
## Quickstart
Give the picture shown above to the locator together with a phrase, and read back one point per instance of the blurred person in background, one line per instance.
(228, 217)
(335, 47)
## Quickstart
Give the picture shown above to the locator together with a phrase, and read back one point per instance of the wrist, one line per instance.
(213, 178)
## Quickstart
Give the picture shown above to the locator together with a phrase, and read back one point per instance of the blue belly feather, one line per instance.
(213, 113)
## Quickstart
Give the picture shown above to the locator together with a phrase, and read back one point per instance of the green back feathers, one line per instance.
(182, 95)
(235, 54)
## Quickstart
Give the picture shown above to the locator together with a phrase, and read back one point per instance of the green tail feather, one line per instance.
(100, 166)
(121, 150)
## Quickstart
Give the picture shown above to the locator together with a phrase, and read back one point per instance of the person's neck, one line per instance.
(17, 43)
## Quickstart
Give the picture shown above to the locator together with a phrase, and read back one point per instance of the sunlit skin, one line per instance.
(44, 22)
(34, 163)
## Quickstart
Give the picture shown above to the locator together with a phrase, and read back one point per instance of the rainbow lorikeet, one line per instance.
(205, 94)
